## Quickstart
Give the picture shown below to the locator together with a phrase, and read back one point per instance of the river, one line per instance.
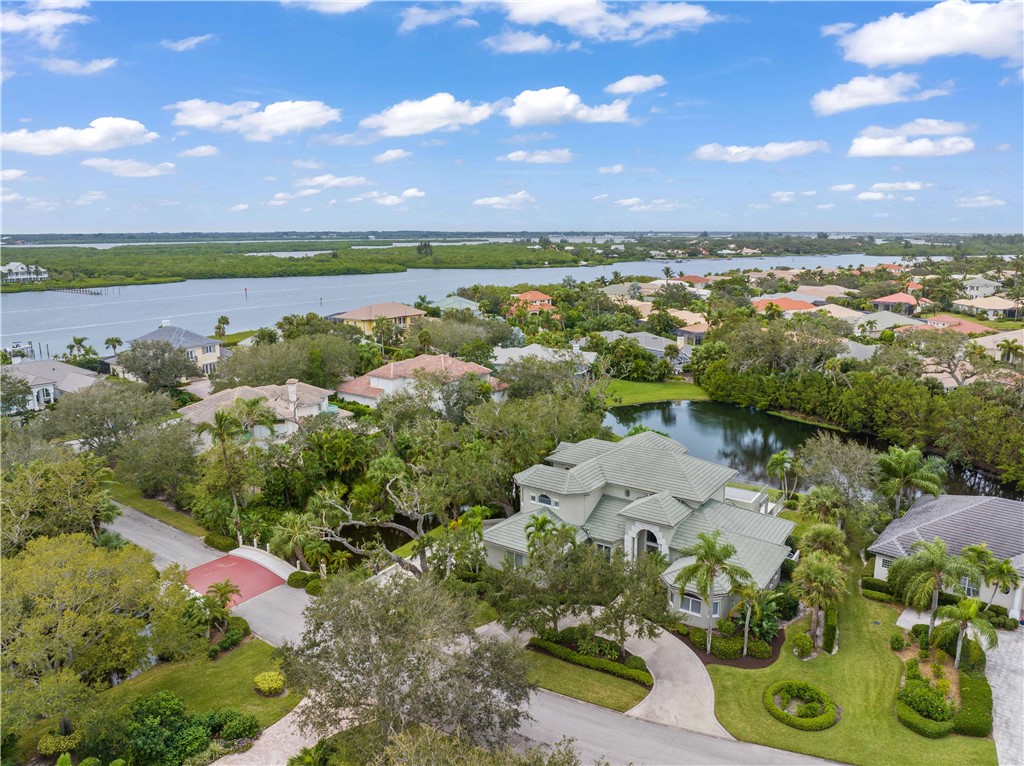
(53, 318)
(745, 439)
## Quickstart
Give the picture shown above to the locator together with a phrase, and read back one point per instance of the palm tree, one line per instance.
(824, 538)
(819, 582)
(924, 573)
(1011, 349)
(667, 271)
(823, 502)
(712, 561)
(773, 311)
(221, 594)
(292, 534)
(909, 469)
(318, 553)
(222, 323)
(424, 340)
(253, 412)
(751, 600)
(671, 352)
(999, 575)
(539, 527)
(223, 430)
(779, 466)
(113, 343)
(869, 326)
(959, 617)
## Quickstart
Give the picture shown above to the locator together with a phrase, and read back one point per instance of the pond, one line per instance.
(745, 439)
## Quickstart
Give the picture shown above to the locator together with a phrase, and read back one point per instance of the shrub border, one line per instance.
(918, 724)
(800, 689)
(560, 652)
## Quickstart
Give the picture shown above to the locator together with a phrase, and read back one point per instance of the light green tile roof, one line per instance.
(717, 515)
(760, 558)
(604, 523)
(549, 479)
(510, 533)
(575, 453)
(661, 508)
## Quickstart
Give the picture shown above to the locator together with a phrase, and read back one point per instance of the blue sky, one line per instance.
(554, 115)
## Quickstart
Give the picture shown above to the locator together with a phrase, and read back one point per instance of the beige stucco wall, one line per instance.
(986, 593)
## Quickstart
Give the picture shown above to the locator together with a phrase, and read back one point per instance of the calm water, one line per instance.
(745, 439)
(128, 312)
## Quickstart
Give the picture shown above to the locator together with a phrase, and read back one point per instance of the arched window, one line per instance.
(651, 542)
(544, 500)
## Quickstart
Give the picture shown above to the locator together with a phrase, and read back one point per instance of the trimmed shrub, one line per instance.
(298, 578)
(942, 686)
(636, 663)
(913, 669)
(237, 725)
(1010, 624)
(938, 671)
(878, 586)
(220, 542)
(920, 634)
(974, 718)
(897, 642)
(727, 628)
(699, 637)
(237, 629)
(786, 603)
(758, 649)
(315, 587)
(239, 624)
(918, 724)
(191, 740)
(925, 700)
(809, 710)
(941, 656)
(924, 653)
(874, 595)
(1000, 611)
(869, 568)
(727, 648)
(788, 565)
(269, 684)
(57, 744)
(828, 640)
(803, 645)
(811, 695)
(605, 666)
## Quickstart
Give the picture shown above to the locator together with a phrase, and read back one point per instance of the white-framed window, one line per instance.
(970, 588)
(208, 367)
(886, 563)
(533, 498)
(209, 349)
(604, 550)
(714, 608)
(651, 544)
(690, 604)
(518, 559)
(545, 500)
(191, 354)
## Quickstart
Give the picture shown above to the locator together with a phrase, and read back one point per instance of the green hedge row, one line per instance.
(221, 543)
(918, 724)
(298, 578)
(873, 583)
(874, 595)
(828, 639)
(807, 693)
(759, 649)
(605, 666)
(974, 718)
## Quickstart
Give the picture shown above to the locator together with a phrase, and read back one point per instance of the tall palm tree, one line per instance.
(424, 340)
(292, 534)
(773, 311)
(928, 569)
(824, 503)
(959, 617)
(869, 326)
(224, 429)
(751, 600)
(318, 553)
(711, 562)
(539, 527)
(819, 582)
(908, 469)
(997, 574)
(253, 412)
(824, 538)
(1011, 349)
(779, 466)
(667, 271)
(113, 343)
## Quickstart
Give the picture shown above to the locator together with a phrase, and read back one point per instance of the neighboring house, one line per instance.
(691, 279)
(991, 342)
(205, 352)
(874, 324)
(623, 289)
(992, 307)
(645, 308)
(788, 306)
(693, 334)
(50, 379)
(290, 403)
(950, 322)
(795, 295)
(959, 521)
(892, 268)
(839, 312)
(457, 303)
(365, 317)
(861, 352)
(395, 377)
(900, 303)
(583, 359)
(533, 302)
(655, 344)
(16, 271)
(825, 291)
(979, 287)
(645, 494)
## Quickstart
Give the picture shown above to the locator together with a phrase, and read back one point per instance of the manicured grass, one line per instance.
(806, 420)
(484, 614)
(224, 682)
(406, 550)
(863, 678)
(642, 393)
(583, 683)
(234, 338)
(996, 324)
(133, 498)
(802, 522)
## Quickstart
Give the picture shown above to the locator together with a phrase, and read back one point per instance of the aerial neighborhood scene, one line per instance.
(514, 383)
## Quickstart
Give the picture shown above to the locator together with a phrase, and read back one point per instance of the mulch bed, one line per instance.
(742, 662)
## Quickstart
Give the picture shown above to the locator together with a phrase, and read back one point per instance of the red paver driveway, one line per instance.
(250, 577)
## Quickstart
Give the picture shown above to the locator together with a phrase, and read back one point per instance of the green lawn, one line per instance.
(583, 683)
(133, 498)
(863, 678)
(234, 338)
(806, 420)
(802, 522)
(642, 393)
(996, 324)
(484, 614)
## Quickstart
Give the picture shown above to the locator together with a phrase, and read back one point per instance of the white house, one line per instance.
(395, 377)
(50, 379)
(980, 287)
(16, 271)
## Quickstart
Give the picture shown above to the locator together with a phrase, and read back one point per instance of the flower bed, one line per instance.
(800, 705)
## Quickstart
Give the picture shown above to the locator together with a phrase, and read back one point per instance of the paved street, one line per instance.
(167, 544)
(275, 616)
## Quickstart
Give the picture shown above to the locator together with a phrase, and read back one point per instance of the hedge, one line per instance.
(803, 646)
(605, 666)
(221, 543)
(298, 578)
(722, 647)
(918, 724)
(788, 565)
(828, 640)
(759, 649)
(874, 595)
(808, 693)
(315, 586)
(974, 718)
(636, 662)
(58, 744)
(237, 628)
(925, 700)
(878, 586)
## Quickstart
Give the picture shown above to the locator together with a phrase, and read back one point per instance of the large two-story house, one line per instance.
(643, 494)
(205, 352)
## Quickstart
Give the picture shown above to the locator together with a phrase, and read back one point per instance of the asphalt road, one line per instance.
(598, 733)
(168, 545)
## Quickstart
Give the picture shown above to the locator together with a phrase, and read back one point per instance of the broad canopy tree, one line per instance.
(158, 363)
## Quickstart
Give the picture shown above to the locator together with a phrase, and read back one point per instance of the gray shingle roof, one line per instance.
(178, 337)
(660, 508)
(959, 520)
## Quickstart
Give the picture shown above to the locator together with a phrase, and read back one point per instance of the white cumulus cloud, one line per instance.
(186, 44)
(550, 106)
(129, 168)
(983, 200)
(506, 202)
(872, 90)
(239, 208)
(873, 196)
(875, 141)
(416, 16)
(639, 205)
(636, 83)
(392, 155)
(612, 169)
(306, 164)
(90, 198)
(253, 123)
(771, 152)
(887, 186)
(389, 200)
(330, 181)
(783, 196)
(826, 206)
(43, 23)
(330, 7)
(77, 68)
(599, 22)
(539, 157)
(842, 187)
(206, 150)
(950, 28)
(520, 42)
(103, 134)
(11, 174)
(438, 112)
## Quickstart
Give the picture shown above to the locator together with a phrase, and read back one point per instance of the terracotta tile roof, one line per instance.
(427, 363)
(914, 286)
(786, 304)
(692, 279)
(949, 322)
(360, 387)
(388, 310)
(533, 296)
(901, 298)
(277, 400)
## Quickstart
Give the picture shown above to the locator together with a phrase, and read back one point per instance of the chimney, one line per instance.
(165, 323)
(293, 391)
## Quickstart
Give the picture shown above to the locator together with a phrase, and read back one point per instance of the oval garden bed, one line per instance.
(800, 705)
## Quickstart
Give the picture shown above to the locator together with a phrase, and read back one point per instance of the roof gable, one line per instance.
(178, 337)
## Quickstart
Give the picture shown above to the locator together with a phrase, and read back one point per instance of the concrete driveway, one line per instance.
(167, 544)
(1005, 672)
(276, 616)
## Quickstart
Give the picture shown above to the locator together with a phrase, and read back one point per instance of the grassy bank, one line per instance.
(90, 283)
(583, 683)
(626, 392)
(234, 338)
(805, 419)
(154, 508)
(863, 678)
